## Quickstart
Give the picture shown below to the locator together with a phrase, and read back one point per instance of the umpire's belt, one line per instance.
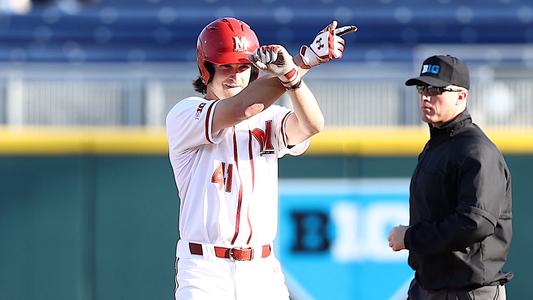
(237, 253)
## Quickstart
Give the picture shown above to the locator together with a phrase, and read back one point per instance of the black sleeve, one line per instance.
(481, 189)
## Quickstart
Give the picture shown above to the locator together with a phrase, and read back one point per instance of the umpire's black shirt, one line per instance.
(460, 210)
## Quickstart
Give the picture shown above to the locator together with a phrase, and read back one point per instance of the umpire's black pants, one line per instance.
(493, 292)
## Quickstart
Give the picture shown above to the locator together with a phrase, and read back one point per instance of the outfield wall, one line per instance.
(92, 214)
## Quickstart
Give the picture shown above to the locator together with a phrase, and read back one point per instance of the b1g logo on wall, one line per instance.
(332, 238)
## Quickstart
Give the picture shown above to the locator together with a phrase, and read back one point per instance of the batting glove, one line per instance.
(328, 44)
(277, 61)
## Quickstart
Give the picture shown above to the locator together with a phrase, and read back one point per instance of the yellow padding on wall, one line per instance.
(370, 141)
(59, 141)
(332, 141)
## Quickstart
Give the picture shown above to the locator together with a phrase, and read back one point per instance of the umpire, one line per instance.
(460, 224)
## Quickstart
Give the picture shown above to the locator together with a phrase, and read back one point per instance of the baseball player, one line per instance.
(224, 151)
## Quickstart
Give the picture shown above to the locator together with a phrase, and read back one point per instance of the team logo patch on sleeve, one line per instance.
(199, 110)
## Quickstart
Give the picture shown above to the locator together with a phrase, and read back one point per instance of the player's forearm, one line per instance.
(308, 119)
(266, 90)
(256, 97)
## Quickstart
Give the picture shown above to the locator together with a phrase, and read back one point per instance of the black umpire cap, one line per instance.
(441, 71)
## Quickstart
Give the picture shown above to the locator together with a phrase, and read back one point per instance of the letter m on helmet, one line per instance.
(224, 41)
(240, 44)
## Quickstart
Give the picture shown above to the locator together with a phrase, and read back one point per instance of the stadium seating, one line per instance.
(166, 30)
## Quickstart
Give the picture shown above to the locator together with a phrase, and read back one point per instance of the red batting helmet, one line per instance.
(224, 41)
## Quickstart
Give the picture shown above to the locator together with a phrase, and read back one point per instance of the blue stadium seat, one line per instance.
(166, 30)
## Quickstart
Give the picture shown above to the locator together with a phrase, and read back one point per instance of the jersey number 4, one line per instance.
(223, 176)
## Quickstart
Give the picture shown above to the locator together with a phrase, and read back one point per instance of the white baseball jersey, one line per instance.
(227, 180)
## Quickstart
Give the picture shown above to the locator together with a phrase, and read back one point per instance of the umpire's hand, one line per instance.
(396, 237)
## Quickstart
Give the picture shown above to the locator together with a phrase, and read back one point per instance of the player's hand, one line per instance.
(276, 60)
(328, 44)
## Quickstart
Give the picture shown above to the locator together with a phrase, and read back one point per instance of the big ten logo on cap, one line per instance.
(433, 69)
(240, 44)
